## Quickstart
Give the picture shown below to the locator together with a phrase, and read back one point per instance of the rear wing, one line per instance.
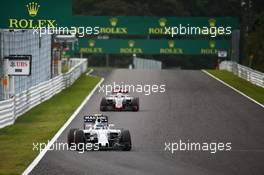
(92, 118)
(120, 90)
(89, 119)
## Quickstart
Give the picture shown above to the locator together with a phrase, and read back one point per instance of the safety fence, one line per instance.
(140, 63)
(23, 42)
(20, 103)
(253, 76)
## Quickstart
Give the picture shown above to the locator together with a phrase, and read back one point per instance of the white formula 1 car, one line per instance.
(119, 101)
(98, 131)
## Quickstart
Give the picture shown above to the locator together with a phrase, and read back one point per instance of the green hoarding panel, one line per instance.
(141, 46)
(147, 25)
(47, 13)
(17, 14)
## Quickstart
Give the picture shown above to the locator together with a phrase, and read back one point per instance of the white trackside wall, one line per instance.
(253, 76)
(22, 102)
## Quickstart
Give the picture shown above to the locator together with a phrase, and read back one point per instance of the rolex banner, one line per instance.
(29, 14)
(151, 25)
(141, 46)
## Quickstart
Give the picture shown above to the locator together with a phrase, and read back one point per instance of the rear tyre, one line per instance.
(135, 104)
(103, 104)
(125, 140)
(71, 134)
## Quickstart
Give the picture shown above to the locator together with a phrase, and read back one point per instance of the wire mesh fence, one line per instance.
(24, 42)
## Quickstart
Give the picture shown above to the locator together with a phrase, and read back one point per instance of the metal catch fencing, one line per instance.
(140, 63)
(12, 108)
(23, 42)
(253, 76)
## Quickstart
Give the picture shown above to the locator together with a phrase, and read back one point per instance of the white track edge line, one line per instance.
(43, 152)
(241, 93)
(90, 71)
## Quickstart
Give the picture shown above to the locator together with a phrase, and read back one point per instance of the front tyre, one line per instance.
(80, 140)
(71, 136)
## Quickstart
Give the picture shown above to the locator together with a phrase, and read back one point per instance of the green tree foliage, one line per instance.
(156, 8)
(128, 7)
(255, 45)
(212, 7)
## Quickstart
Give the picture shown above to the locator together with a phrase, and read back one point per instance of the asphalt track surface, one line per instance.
(194, 107)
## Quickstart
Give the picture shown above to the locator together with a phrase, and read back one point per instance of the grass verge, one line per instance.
(39, 125)
(251, 90)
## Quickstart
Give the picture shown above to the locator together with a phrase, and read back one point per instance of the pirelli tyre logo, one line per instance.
(32, 9)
